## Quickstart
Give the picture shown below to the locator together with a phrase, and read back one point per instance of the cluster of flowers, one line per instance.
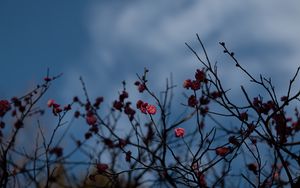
(56, 109)
(89, 115)
(200, 76)
(193, 101)
(284, 126)
(122, 105)
(141, 86)
(261, 107)
(145, 108)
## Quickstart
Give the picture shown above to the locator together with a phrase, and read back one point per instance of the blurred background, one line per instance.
(107, 42)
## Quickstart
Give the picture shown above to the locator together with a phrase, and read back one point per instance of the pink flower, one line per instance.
(151, 109)
(50, 103)
(179, 132)
(145, 107)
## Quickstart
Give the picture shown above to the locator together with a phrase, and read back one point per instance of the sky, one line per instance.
(107, 42)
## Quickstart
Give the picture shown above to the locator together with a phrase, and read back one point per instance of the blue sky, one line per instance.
(107, 42)
(37, 35)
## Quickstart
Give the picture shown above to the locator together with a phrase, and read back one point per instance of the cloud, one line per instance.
(126, 37)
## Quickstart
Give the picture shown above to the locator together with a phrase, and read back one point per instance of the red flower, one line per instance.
(201, 179)
(195, 85)
(128, 110)
(216, 94)
(122, 143)
(18, 124)
(244, 116)
(101, 167)
(179, 132)
(141, 87)
(50, 103)
(91, 119)
(233, 140)
(118, 105)
(56, 110)
(123, 96)
(144, 108)
(284, 98)
(139, 104)
(187, 84)
(98, 101)
(256, 102)
(200, 75)
(204, 100)
(4, 107)
(204, 110)
(67, 107)
(192, 101)
(252, 167)
(222, 151)
(151, 109)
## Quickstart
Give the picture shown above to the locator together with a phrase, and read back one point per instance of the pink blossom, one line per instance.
(151, 109)
(50, 103)
(179, 132)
